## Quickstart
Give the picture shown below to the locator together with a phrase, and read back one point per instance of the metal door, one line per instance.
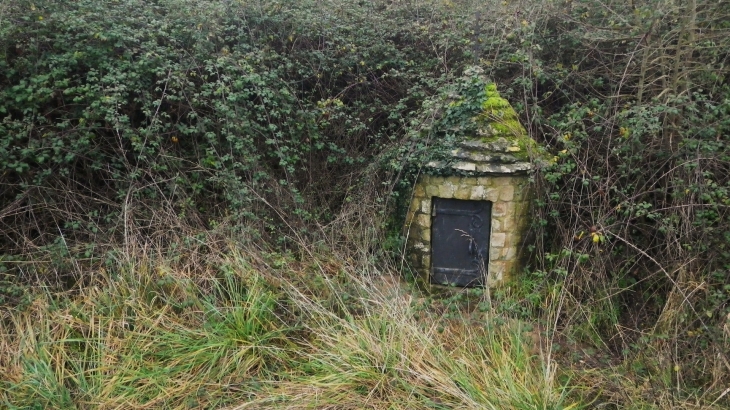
(460, 239)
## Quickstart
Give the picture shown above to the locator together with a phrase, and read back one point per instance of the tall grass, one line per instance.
(266, 331)
(137, 340)
(389, 359)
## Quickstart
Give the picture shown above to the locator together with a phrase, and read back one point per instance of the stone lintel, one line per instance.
(484, 158)
(499, 145)
(486, 168)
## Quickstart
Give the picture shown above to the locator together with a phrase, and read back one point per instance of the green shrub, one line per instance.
(121, 118)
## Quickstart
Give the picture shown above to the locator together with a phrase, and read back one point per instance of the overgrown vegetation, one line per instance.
(196, 199)
(146, 338)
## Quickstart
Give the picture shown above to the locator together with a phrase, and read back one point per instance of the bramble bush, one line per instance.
(121, 118)
(633, 100)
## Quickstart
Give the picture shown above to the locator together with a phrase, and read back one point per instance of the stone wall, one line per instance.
(510, 197)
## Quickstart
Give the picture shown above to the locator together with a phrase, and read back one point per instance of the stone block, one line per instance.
(499, 209)
(465, 166)
(492, 194)
(502, 181)
(463, 192)
(426, 206)
(484, 181)
(510, 238)
(496, 270)
(420, 191)
(432, 190)
(426, 261)
(496, 225)
(447, 190)
(507, 223)
(477, 193)
(483, 167)
(506, 193)
(498, 239)
(453, 180)
(509, 253)
(426, 235)
(495, 254)
(424, 220)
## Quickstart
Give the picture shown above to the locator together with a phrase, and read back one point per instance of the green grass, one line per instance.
(315, 331)
(249, 336)
(125, 343)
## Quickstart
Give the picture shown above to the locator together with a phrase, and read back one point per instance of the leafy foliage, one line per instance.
(206, 108)
(633, 100)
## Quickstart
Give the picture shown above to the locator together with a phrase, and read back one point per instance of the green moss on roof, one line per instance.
(486, 127)
(498, 114)
(494, 102)
(499, 121)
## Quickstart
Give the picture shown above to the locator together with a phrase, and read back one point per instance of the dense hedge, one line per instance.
(112, 109)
